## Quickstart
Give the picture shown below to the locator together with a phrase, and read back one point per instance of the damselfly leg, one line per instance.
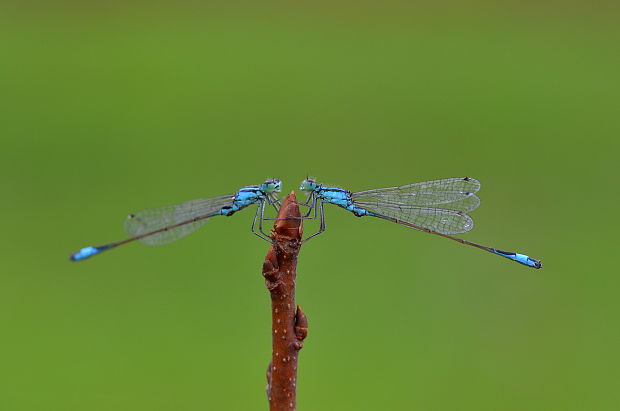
(311, 198)
(259, 215)
(271, 200)
(274, 201)
(322, 215)
(311, 204)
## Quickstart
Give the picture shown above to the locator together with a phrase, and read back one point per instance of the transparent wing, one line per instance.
(450, 194)
(437, 219)
(147, 221)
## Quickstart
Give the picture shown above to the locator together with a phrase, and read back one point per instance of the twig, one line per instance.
(289, 325)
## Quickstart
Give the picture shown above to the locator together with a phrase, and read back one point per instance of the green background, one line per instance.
(115, 108)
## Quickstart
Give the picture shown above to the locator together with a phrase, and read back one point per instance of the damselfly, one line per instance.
(167, 224)
(435, 207)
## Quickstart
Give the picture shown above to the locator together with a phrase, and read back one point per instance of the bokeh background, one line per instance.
(111, 108)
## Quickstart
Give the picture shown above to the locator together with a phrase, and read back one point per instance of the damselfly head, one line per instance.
(309, 184)
(272, 186)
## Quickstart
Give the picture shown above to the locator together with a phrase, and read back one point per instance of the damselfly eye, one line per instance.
(271, 186)
(308, 185)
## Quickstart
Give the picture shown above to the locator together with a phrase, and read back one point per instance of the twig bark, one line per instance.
(289, 326)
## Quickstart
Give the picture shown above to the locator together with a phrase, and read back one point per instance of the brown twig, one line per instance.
(289, 325)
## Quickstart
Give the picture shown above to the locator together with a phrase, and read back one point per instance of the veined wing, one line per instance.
(154, 219)
(449, 193)
(436, 219)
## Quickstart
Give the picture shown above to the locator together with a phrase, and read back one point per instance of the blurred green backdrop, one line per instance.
(114, 108)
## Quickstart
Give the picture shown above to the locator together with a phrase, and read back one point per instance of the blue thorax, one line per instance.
(246, 196)
(340, 197)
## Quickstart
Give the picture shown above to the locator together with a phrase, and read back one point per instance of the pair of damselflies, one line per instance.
(437, 207)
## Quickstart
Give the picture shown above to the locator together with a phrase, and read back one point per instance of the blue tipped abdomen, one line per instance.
(86, 252)
(520, 258)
